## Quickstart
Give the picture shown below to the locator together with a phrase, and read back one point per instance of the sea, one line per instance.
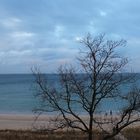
(17, 94)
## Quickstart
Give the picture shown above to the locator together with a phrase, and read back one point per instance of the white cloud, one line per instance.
(19, 53)
(22, 34)
(78, 38)
(102, 13)
(11, 22)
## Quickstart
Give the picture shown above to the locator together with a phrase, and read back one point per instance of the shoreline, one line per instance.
(27, 121)
(19, 121)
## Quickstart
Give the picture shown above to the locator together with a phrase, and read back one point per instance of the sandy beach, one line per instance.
(24, 121)
(12, 123)
(19, 121)
(27, 121)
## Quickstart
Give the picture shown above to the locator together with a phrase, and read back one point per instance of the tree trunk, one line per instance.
(90, 133)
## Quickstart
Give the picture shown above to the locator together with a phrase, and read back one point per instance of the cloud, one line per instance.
(103, 13)
(58, 30)
(10, 22)
(78, 38)
(48, 32)
(21, 35)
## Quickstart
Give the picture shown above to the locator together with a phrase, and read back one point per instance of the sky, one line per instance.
(46, 33)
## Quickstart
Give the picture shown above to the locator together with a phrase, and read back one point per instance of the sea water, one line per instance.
(17, 94)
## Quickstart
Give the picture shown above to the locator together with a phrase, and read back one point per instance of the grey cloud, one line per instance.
(47, 29)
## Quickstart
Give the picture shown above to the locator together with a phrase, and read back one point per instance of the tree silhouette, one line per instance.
(99, 79)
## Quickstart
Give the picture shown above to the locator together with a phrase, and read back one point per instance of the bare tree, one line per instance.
(98, 80)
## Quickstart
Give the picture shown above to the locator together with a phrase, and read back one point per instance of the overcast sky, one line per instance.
(45, 33)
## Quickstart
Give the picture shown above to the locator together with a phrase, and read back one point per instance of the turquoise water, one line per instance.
(17, 94)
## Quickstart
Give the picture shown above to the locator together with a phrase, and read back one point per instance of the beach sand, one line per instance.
(27, 121)
(24, 121)
(16, 121)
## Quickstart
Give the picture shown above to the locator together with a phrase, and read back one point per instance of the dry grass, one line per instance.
(129, 133)
(132, 133)
(32, 135)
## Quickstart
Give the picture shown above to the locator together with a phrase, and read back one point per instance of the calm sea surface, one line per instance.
(17, 94)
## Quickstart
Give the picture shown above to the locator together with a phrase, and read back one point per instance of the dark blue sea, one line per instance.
(17, 94)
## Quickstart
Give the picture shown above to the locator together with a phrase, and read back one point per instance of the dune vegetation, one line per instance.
(129, 133)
